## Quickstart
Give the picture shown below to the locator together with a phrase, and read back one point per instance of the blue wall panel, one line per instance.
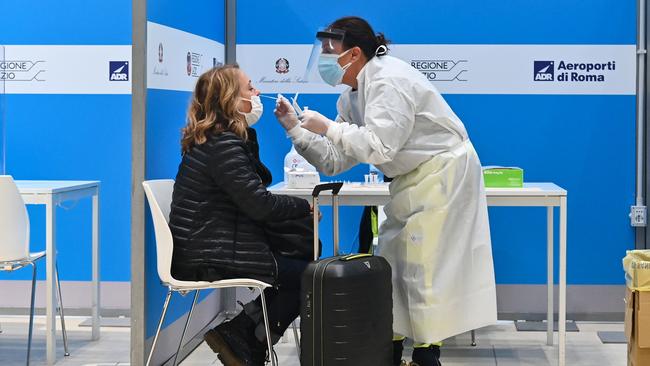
(204, 18)
(570, 140)
(166, 115)
(445, 22)
(75, 137)
(70, 22)
(585, 144)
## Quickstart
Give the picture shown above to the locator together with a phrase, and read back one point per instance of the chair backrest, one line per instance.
(159, 194)
(14, 222)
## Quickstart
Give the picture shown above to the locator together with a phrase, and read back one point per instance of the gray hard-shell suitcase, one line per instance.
(346, 313)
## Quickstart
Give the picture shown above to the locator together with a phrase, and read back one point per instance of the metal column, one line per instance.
(138, 141)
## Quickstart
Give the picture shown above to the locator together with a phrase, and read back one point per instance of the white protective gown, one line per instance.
(436, 236)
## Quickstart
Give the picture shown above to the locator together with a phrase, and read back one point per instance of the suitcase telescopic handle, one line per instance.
(335, 188)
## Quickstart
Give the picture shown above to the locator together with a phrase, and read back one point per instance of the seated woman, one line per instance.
(221, 208)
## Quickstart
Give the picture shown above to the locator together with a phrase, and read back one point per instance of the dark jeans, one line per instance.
(283, 300)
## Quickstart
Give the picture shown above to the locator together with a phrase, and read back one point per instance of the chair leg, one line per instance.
(187, 322)
(31, 313)
(473, 338)
(267, 327)
(160, 323)
(295, 337)
(60, 298)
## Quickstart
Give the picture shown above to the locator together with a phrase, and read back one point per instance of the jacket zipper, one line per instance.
(275, 273)
(234, 240)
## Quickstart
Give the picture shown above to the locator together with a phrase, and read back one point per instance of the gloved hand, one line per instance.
(285, 114)
(315, 122)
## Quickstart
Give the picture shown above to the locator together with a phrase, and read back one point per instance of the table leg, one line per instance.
(50, 295)
(95, 264)
(562, 290)
(549, 275)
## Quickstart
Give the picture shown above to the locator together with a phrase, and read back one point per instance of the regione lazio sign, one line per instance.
(467, 69)
(35, 69)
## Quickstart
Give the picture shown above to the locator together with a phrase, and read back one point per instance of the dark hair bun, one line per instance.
(358, 33)
(381, 39)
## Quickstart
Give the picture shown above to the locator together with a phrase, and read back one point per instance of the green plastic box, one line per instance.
(503, 177)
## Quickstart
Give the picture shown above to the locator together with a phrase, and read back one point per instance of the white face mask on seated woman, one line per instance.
(256, 110)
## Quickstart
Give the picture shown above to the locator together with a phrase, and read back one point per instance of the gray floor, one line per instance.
(112, 349)
(499, 345)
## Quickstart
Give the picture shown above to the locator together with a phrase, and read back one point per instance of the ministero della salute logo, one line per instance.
(281, 75)
(282, 66)
(160, 69)
(576, 72)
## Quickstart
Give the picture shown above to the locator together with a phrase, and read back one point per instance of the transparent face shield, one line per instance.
(3, 77)
(328, 41)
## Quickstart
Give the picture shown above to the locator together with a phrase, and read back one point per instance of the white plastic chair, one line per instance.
(159, 196)
(14, 248)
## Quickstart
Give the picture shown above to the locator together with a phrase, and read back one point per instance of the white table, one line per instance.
(52, 194)
(546, 195)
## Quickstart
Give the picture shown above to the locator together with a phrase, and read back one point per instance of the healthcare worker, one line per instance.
(436, 235)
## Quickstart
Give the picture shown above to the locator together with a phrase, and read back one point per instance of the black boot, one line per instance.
(259, 347)
(429, 356)
(259, 352)
(231, 341)
(398, 349)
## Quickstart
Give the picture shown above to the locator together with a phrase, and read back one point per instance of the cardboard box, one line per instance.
(637, 327)
(637, 269)
(302, 180)
(503, 177)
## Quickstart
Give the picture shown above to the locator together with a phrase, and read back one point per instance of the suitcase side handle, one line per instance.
(334, 187)
(350, 257)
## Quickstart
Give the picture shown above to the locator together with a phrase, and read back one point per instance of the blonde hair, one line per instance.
(214, 107)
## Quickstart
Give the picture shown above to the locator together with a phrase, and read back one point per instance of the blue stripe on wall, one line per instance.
(204, 18)
(76, 137)
(450, 22)
(70, 22)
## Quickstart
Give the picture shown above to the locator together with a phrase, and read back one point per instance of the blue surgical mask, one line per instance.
(330, 70)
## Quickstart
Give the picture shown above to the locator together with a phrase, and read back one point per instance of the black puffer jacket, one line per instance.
(219, 205)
